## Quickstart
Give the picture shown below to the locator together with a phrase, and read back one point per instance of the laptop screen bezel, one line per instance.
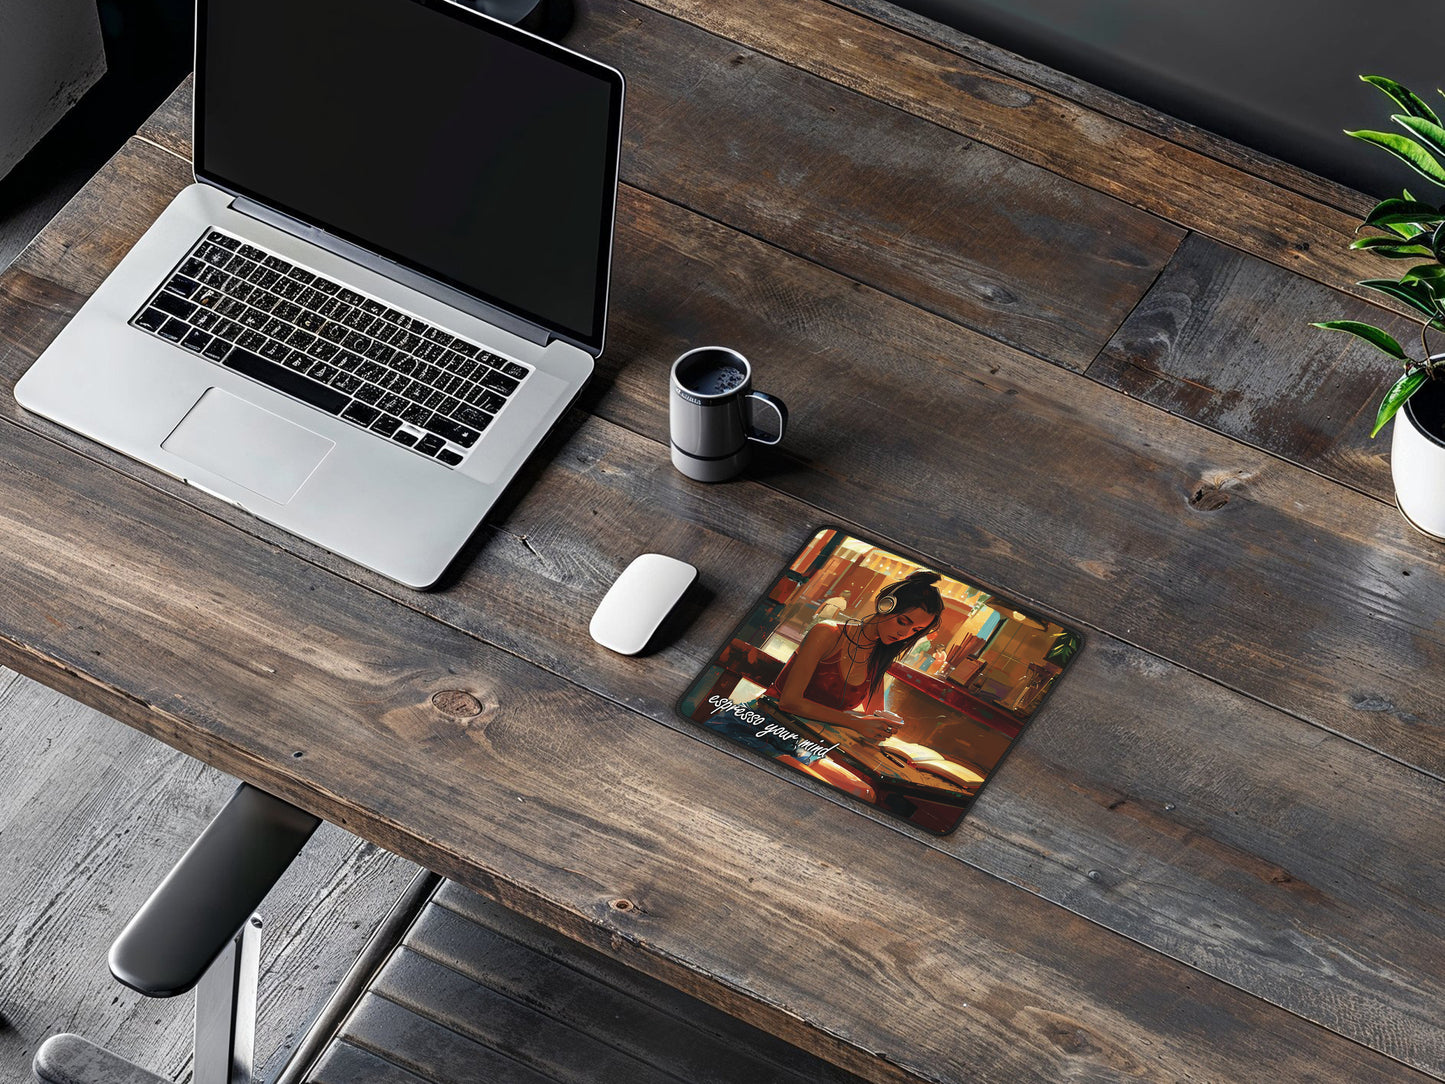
(589, 339)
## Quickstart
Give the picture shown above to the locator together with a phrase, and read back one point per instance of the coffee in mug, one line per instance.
(713, 410)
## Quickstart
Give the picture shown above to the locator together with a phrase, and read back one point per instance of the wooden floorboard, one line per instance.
(456, 994)
(92, 815)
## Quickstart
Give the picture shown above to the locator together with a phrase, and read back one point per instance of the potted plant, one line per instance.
(1413, 230)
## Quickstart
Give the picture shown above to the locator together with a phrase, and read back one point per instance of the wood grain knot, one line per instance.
(623, 905)
(1208, 498)
(456, 703)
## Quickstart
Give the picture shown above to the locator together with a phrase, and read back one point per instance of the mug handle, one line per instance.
(754, 397)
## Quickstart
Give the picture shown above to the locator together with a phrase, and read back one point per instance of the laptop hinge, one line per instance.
(447, 295)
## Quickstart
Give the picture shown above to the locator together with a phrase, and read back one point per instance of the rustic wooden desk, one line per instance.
(1033, 332)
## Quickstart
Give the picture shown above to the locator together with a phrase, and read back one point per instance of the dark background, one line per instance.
(1278, 75)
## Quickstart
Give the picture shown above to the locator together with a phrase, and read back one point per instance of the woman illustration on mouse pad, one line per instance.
(850, 702)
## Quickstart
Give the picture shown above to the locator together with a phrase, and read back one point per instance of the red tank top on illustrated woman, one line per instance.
(827, 686)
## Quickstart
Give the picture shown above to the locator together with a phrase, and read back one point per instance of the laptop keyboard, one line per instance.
(350, 355)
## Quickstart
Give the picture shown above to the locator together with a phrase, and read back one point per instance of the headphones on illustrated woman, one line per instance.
(887, 600)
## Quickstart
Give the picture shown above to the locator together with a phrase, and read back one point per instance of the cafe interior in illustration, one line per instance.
(964, 691)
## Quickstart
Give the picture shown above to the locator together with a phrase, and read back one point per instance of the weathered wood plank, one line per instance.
(92, 815)
(850, 941)
(1181, 185)
(1098, 100)
(878, 194)
(674, 1034)
(1223, 339)
(608, 488)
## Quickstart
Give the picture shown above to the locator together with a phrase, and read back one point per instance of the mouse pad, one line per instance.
(882, 676)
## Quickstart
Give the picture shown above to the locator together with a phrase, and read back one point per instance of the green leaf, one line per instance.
(1406, 99)
(1428, 132)
(1428, 274)
(1393, 248)
(1437, 241)
(1395, 398)
(1415, 294)
(1407, 150)
(1371, 334)
(1393, 212)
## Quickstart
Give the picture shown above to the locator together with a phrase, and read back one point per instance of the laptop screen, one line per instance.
(455, 145)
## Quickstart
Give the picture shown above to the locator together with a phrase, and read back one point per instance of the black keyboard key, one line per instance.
(252, 319)
(403, 437)
(300, 339)
(301, 275)
(174, 306)
(406, 341)
(208, 297)
(466, 349)
(347, 382)
(276, 351)
(393, 404)
(322, 372)
(429, 444)
(376, 308)
(361, 414)
(251, 252)
(277, 329)
(473, 417)
(386, 425)
(276, 263)
(432, 352)
(489, 401)
(369, 393)
(346, 361)
(183, 286)
(351, 297)
(333, 332)
(515, 371)
(193, 267)
(174, 329)
(323, 350)
(228, 243)
(311, 321)
(217, 351)
(213, 276)
(498, 382)
(450, 430)
(417, 415)
(206, 320)
(449, 457)
(298, 362)
(151, 319)
(370, 370)
(437, 335)
(283, 379)
(196, 340)
(326, 286)
(251, 340)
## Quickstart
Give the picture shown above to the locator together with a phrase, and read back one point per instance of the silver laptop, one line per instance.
(387, 284)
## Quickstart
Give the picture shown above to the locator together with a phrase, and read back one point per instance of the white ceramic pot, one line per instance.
(1417, 459)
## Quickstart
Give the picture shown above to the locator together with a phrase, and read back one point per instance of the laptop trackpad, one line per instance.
(247, 445)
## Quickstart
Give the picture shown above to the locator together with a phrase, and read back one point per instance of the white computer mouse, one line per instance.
(637, 602)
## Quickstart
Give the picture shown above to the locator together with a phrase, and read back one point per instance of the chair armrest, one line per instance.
(200, 906)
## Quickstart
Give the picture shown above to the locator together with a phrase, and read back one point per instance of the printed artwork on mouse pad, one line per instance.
(886, 678)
